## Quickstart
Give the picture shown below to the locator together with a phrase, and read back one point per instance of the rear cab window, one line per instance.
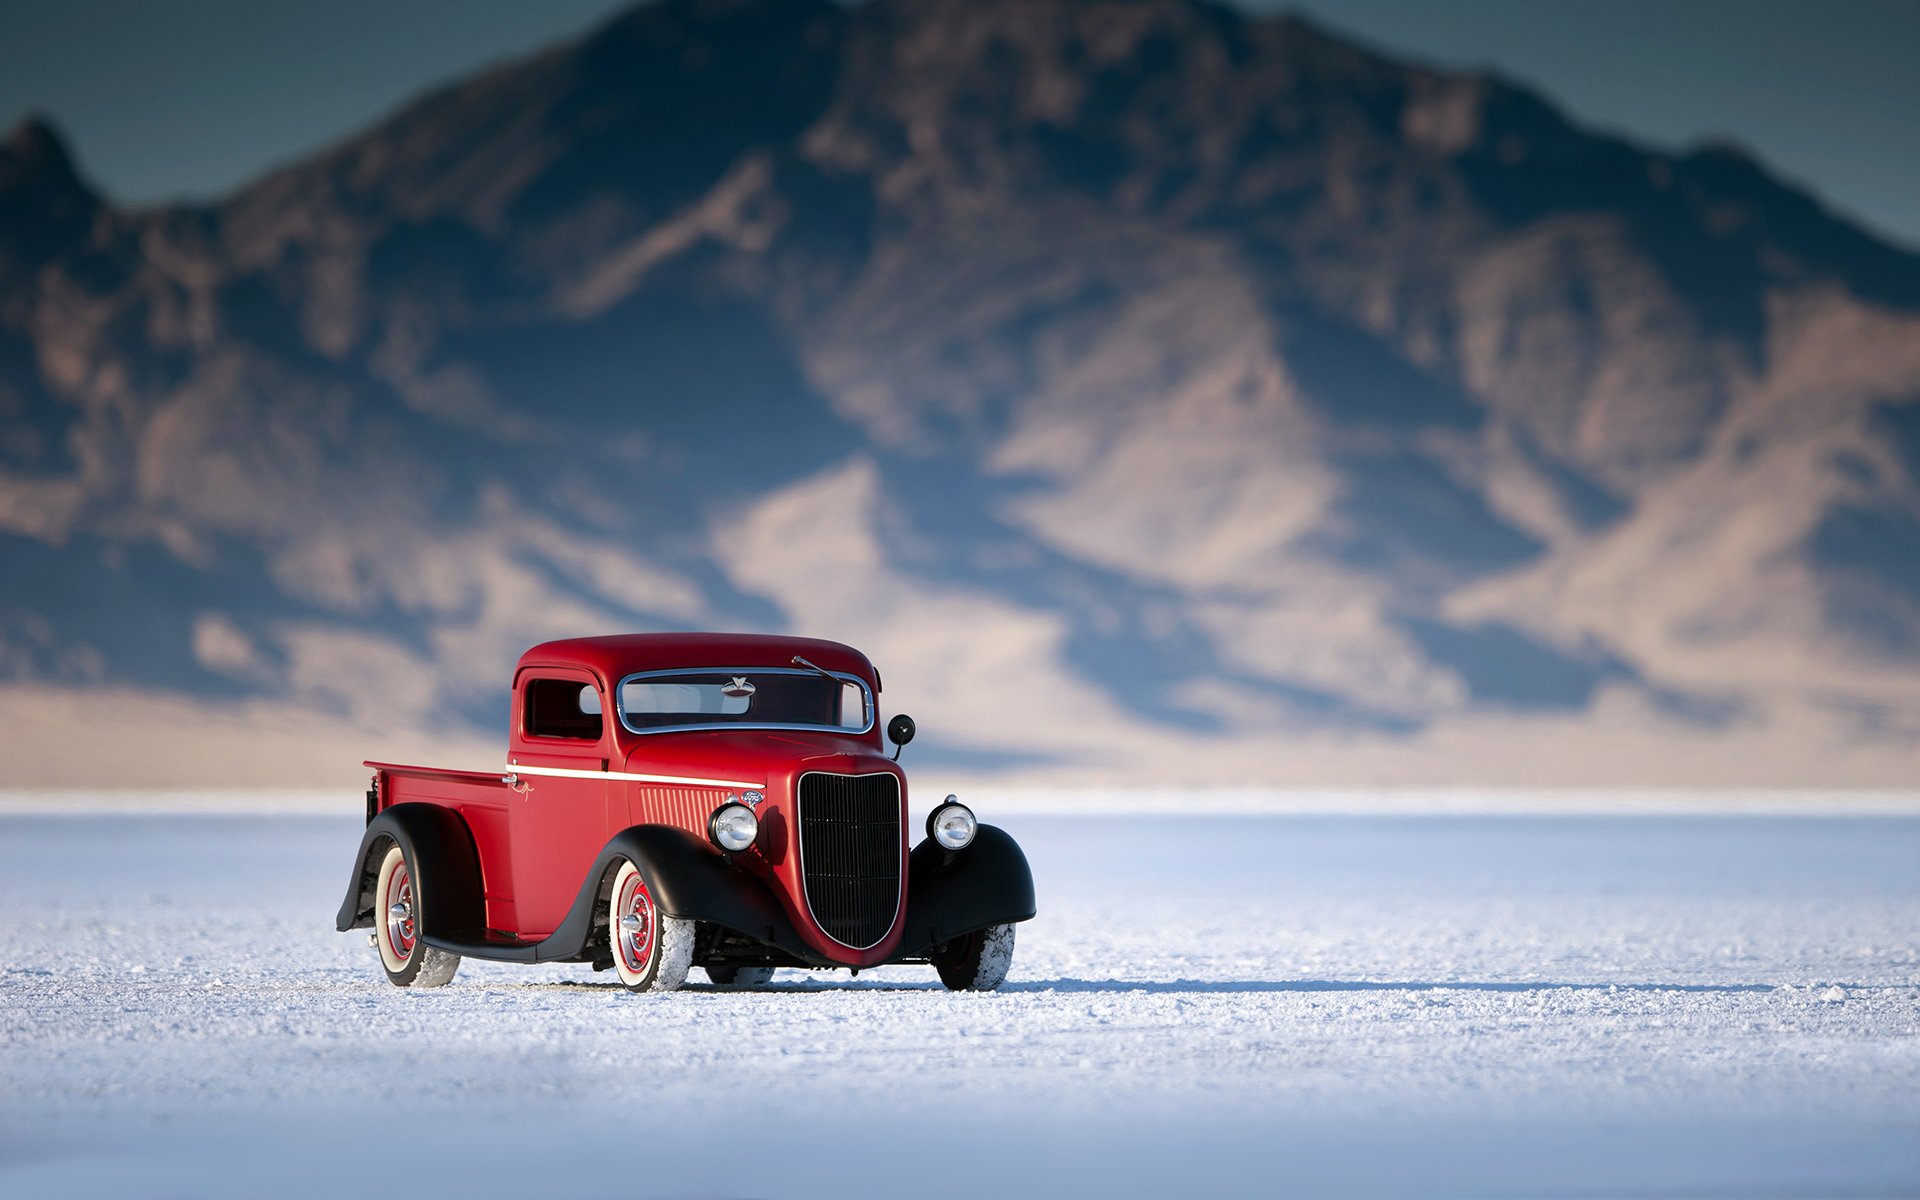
(562, 708)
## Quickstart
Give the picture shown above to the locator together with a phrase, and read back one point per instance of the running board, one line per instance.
(518, 952)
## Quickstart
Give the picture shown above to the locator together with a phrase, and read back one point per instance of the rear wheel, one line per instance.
(651, 951)
(738, 976)
(976, 962)
(408, 960)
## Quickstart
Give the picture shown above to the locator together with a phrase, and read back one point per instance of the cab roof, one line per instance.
(623, 654)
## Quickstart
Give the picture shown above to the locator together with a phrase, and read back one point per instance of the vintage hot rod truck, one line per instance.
(678, 800)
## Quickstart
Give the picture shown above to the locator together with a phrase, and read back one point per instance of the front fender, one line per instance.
(954, 892)
(689, 879)
(446, 870)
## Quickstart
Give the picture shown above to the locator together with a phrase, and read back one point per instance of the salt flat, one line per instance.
(1388, 1004)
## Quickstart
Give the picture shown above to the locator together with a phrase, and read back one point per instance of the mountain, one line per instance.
(1160, 394)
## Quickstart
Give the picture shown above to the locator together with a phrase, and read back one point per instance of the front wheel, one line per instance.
(651, 950)
(408, 960)
(731, 976)
(976, 962)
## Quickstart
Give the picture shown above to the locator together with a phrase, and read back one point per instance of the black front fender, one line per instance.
(689, 879)
(954, 892)
(439, 846)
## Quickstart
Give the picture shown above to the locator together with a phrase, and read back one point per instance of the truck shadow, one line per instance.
(1236, 986)
(1195, 987)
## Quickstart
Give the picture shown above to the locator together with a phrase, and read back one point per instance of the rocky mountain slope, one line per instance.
(1158, 393)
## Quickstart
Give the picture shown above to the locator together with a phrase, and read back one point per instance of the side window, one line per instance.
(562, 708)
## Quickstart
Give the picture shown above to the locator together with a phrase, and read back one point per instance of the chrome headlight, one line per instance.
(733, 827)
(952, 824)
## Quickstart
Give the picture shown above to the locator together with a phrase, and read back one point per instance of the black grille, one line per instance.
(850, 850)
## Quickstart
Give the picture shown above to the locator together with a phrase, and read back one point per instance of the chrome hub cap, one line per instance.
(635, 940)
(399, 926)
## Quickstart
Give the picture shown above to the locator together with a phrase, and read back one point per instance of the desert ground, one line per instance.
(1452, 998)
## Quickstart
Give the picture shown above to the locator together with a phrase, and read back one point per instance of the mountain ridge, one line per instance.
(1267, 403)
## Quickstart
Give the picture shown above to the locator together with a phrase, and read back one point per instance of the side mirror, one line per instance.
(900, 732)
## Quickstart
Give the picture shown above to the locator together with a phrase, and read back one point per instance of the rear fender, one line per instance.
(955, 892)
(446, 870)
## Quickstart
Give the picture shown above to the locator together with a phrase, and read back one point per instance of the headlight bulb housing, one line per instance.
(732, 827)
(952, 824)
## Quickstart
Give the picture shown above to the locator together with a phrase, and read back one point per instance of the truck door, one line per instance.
(559, 750)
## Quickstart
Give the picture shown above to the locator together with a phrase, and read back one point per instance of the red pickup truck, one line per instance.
(679, 800)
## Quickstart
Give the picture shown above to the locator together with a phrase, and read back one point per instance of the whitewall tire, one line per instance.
(651, 951)
(397, 925)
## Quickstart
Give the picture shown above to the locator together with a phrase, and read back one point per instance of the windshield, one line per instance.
(745, 697)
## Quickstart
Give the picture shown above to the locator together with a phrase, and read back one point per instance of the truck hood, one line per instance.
(776, 756)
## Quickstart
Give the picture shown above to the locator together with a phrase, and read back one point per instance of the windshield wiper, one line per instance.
(801, 662)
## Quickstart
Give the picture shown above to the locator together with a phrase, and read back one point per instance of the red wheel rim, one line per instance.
(633, 916)
(398, 904)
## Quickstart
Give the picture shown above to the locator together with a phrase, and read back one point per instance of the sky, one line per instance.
(191, 98)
